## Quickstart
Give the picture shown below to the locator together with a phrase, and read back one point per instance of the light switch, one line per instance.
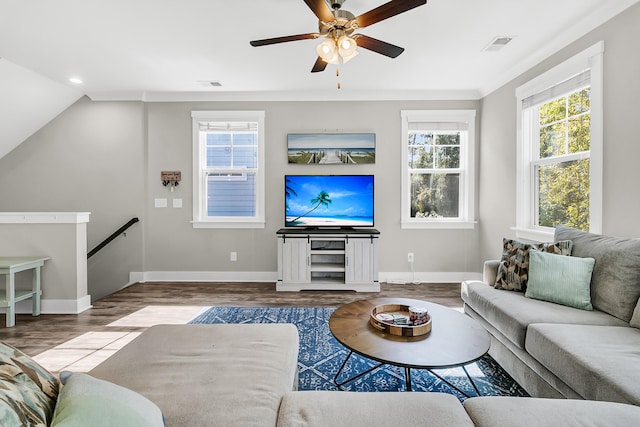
(160, 203)
(177, 203)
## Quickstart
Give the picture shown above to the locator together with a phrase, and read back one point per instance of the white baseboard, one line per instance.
(203, 276)
(404, 277)
(272, 276)
(56, 306)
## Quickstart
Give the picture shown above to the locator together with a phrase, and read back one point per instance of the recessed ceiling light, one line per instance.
(75, 80)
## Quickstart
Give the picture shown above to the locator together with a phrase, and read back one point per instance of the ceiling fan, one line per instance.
(337, 27)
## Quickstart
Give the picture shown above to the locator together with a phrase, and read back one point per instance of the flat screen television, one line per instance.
(323, 201)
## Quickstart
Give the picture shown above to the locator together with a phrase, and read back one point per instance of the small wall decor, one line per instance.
(171, 178)
(331, 148)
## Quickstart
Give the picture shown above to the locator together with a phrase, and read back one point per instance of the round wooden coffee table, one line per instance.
(455, 339)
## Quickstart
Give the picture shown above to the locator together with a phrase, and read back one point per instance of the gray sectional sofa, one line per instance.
(555, 350)
(245, 375)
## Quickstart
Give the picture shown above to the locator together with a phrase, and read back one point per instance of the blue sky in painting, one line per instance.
(306, 141)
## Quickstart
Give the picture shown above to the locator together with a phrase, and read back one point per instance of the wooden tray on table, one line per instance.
(387, 325)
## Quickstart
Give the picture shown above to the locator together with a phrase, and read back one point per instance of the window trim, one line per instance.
(466, 220)
(591, 58)
(200, 219)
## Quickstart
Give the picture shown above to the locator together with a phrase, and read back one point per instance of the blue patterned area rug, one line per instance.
(321, 355)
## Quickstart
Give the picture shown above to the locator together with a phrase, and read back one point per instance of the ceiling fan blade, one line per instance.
(321, 9)
(320, 65)
(284, 39)
(387, 10)
(378, 46)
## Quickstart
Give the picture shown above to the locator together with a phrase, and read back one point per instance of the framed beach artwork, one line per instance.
(331, 148)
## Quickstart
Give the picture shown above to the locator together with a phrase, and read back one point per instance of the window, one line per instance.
(560, 148)
(228, 169)
(438, 169)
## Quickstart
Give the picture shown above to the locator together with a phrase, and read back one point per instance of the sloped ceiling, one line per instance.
(28, 101)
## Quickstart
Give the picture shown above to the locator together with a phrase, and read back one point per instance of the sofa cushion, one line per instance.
(511, 312)
(526, 412)
(28, 392)
(87, 401)
(560, 279)
(615, 283)
(514, 265)
(598, 362)
(194, 371)
(350, 409)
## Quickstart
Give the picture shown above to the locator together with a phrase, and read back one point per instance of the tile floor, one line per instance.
(83, 353)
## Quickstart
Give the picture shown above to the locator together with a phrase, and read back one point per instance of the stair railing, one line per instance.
(115, 234)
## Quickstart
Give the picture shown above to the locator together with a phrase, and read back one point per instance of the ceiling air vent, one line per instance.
(210, 83)
(497, 43)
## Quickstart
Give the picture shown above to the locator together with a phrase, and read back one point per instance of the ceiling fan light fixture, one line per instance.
(328, 51)
(335, 59)
(346, 46)
(347, 58)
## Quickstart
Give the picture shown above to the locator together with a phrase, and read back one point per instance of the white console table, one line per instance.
(9, 266)
(326, 259)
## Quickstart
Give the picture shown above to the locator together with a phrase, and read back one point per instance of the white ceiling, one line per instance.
(158, 50)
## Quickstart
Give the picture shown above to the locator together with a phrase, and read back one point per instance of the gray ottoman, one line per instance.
(204, 375)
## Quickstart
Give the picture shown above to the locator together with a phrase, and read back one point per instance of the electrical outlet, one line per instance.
(410, 256)
(233, 256)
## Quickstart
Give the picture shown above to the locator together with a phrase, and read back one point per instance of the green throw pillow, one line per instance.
(87, 401)
(564, 280)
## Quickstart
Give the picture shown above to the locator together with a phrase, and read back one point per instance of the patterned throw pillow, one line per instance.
(514, 265)
(28, 392)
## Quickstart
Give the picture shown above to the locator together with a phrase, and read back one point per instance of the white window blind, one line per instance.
(570, 85)
(436, 126)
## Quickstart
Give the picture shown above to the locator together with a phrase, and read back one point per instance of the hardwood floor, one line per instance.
(33, 335)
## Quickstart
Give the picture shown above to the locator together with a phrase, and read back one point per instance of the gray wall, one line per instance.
(497, 163)
(106, 158)
(88, 159)
(64, 276)
(173, 245)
